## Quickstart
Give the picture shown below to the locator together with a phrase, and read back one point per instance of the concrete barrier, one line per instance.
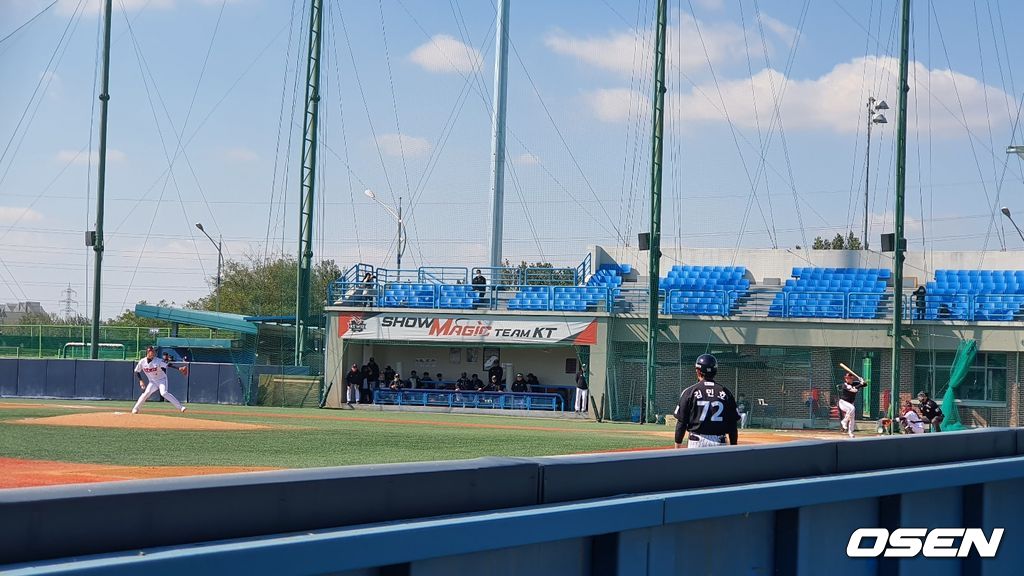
(921, 450)
(51, 522)
(37, 523)
(580, 477)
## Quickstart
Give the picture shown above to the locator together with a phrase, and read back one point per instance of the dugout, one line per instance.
(551, 346)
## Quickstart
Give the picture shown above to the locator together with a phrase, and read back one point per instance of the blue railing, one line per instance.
(584, 268)
(444, 275)
(464, 399)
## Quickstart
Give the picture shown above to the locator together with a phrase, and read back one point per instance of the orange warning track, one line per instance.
(19, 473)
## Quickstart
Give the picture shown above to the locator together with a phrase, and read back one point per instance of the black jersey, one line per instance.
(706, 408)
(848, 392)
(929, 409)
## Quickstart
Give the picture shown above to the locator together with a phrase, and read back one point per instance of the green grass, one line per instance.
(303, 438)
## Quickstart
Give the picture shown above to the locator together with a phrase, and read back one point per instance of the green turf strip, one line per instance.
(322, 440)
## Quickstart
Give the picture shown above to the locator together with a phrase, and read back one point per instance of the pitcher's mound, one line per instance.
(129, 420)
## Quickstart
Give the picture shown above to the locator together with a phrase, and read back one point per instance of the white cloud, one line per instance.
(16, 214)
(241, 154)
(617, 104)
(80, 158)
(53, 84)
(627, 52)
(68, 7)
(443, 53)
(784, 31)
(830, 102)
(397, 144)
(711, 4)
(526, 159)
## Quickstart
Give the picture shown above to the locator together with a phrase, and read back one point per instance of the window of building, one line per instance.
(984, 382)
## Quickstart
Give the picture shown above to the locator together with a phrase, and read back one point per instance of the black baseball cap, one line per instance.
(148, 348)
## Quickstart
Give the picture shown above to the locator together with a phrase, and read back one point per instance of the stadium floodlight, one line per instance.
(1006, 212)
(218, 244)
(874, 117)
(397, 215)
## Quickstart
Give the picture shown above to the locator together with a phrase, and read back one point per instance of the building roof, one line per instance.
(214, 320)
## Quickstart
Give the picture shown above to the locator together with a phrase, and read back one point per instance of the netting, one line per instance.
(965, 354)
(289, 391)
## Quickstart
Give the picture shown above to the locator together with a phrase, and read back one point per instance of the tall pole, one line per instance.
(867, 176)
(220, 262)
(309, 143)
(654, 267)
(101, 183)
(498, 133)
(901, 181)
(401, 233)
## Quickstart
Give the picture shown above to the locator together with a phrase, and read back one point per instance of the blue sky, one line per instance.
(409, 116)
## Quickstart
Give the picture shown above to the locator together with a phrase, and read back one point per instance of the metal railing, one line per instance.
(584, 268)
(444, 275)
(756, 302)
(965, 307)
(464, 399)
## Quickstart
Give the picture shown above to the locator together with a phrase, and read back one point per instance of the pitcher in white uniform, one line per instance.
(155, 370)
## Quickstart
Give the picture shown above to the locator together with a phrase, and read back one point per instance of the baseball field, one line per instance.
(63, 442)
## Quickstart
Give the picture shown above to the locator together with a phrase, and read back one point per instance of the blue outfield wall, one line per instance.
(114, 380)
(708, 512)
(8, 377)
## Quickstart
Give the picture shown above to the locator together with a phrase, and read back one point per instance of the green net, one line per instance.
(289, 391)
(965, 354)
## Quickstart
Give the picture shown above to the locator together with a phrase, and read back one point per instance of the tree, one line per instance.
(840, 242)
(540, 273)
(262, 286)
(51, 319)
(852, 242)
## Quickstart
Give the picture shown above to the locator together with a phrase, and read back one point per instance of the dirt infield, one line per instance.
(140, 421)
(18, 473)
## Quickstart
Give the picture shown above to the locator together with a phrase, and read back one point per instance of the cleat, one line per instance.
(183, 409)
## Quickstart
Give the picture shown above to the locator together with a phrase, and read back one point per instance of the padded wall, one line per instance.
(9, 376)
(60, 378)
(89, 378)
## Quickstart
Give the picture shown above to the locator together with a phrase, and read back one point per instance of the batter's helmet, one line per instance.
(707, 365)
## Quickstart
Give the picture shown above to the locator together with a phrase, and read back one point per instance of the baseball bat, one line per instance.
(847, 368)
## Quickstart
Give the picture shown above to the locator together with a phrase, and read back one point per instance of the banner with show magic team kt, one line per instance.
(391, 326)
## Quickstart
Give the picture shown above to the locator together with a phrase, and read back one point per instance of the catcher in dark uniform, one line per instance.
(706, 410)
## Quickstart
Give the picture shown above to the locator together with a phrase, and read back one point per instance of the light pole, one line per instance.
(874, 117)
(220, 257)
(1006, 212)
(398, 219)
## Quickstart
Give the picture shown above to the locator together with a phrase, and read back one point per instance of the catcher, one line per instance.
(155, 370)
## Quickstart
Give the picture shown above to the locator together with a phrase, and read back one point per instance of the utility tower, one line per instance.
(69, 306)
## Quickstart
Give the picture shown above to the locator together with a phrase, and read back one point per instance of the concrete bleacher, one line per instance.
(975, 295)
(832, 293)
(704, 289)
